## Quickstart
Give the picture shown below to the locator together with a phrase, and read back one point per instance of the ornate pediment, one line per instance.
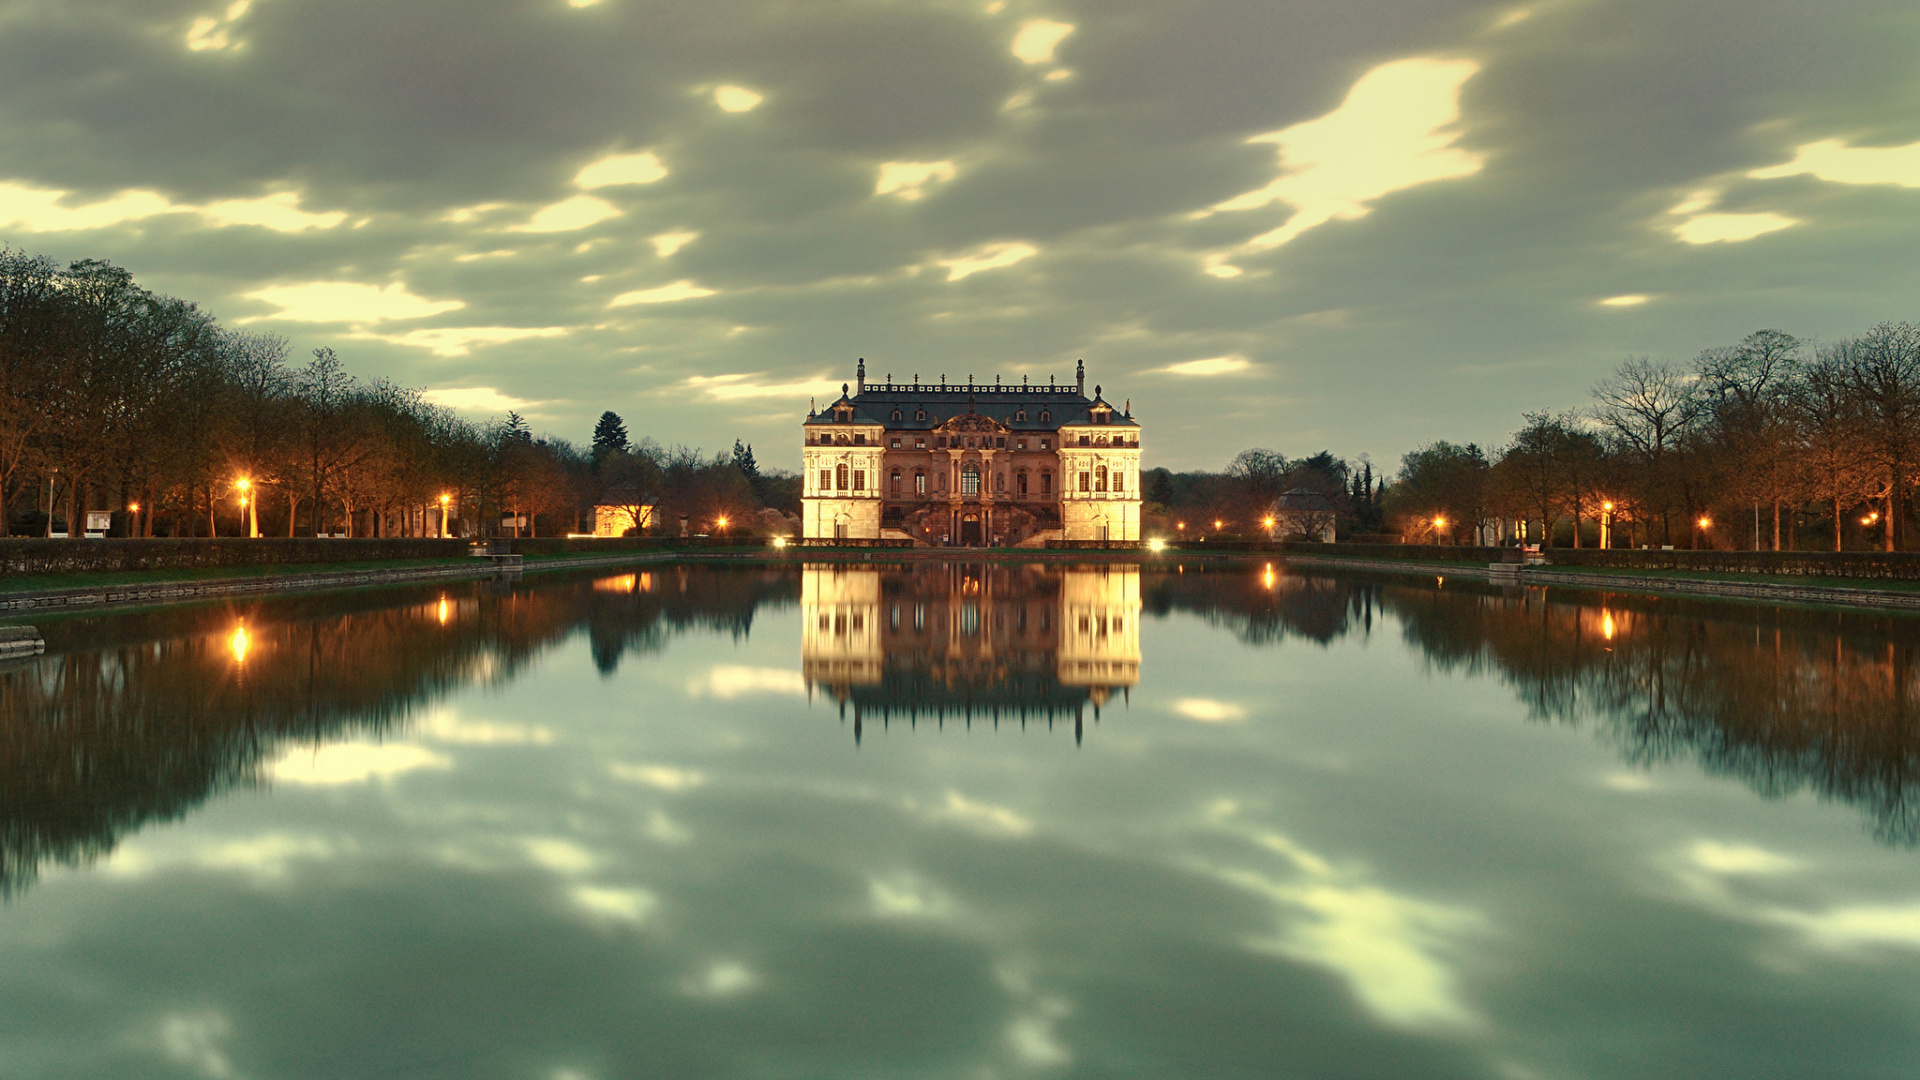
(973, 422)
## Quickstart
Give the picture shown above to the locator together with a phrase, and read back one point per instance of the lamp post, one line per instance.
(443, 516)
(1268, 522)
(133, 519)
(1439, 526)
(1606, 519)
(1704, 523)
(246, 507)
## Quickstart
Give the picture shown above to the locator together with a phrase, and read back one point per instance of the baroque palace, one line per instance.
(972, 465)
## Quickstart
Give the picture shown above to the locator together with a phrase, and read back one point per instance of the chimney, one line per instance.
(1080, 377)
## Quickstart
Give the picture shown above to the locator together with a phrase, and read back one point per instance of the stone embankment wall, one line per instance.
(20, 556)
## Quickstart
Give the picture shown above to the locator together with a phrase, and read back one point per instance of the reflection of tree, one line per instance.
(1263, 604)
(642, 611)
(1784, 699)
(141, 717)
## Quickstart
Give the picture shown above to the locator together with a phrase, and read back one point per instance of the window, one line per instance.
(1046, 444)
(1020, 444)
(920, 414)
(1046, 483)
(1021, 415)
(1086, 440)
(1086, 482)
(826, 479)
(941, 442)
(896, 416)
(1119, 480)
(1100, 478)
(1046, 415)
(1000, 442)
(919, 483)
(842, 472)
(859, 479)
(920, 443)
(970, 480)
(896, 442)
(860, 439)
(896, 481)
(1020, 482)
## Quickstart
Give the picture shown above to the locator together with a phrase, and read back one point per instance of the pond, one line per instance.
(962, 820)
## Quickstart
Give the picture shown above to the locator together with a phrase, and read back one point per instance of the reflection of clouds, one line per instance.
(1627, 781)
(722, 979)
(1738, 859)
(352, 763)
(904, 895)
(1031, 1035)
(265, 857)
(194, 1041)
(1384, 944)
(1209, 711)
(560, 856)
(735, 680)
(631, 905)
(446, 726)
(984, 816)
(664, 777)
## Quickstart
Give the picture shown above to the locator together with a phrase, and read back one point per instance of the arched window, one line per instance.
(920, 414)
(1046, 415)
(970, 479)
(896, 416)
(841, 475)
(1100, 478)
(1021, 415)
(896, 481)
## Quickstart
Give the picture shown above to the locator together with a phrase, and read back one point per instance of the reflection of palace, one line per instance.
(967, 642)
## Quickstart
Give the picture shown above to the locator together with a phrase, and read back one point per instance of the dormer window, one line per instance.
(920, 414)
(896, 416)
(1046, 416)
(1021, 415)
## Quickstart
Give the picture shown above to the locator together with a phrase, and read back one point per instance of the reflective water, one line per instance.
(962, 821)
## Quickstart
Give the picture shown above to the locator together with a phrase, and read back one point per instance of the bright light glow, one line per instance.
(1215, 365)
(987, 257)
(582, 3)
(569, 214)
(1156, 544)
(1209, 711)
(280, 212)
(736, 99)
(1706, 523)
(444, 611)
(240, 643)
(352, 763)
(909, 179)
(1837, 163)
(683, 289)
(243, 483)
(1626, 300)
(475, 399)
(1606, 624)
(347, 301)
(1037, 39)
(666, 243)
(779, 541)
(460, 340)
(1731, 228)
(1395, 130)
(617, 169)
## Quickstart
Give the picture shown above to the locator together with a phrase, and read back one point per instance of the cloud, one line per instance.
(985, 817)
(46, 210)
(1738, 859)
(460, 340)
(1626, 300)
(630, 905)
(347, 302)
(663, 294)
(569, 214)
(736, 99)
(1214, 365)
(987, 257)
(1394, 131)
(1037, 38)
(620, 169)
(664, 777)
(742, 387)
(210, 33)
(666, 243)
(909, 179)
(482, 399)
(1837, 163)
(353, 763)
(1700, 224)
(1209, 711)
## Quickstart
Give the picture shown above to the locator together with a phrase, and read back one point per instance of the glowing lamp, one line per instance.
(1156, 544)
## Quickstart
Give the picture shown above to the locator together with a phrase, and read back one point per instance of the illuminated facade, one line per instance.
(972, 465)
(970, 642)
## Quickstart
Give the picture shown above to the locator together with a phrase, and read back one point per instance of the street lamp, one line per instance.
(247, 507)
(133, 516)
(1439, 524)
(1268, 522)
(721, 525)
(1606, 519)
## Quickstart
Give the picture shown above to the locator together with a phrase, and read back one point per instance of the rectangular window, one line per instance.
(1046, 444)
(860, 439)
(859, 479)
(1000, 442)
(1086, 481)
(1020, 444)
(896, 444)
(1119, 481)
(826, 479)
(919, 483)
(919, 444)
(1086, 440)
(941, 442)
(1046, 483)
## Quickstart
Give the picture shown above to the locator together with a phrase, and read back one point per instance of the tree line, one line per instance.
(117, 399)
(1774, 442)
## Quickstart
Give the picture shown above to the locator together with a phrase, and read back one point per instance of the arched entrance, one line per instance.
(970, 533)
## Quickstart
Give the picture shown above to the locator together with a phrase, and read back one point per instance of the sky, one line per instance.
(1358, 227)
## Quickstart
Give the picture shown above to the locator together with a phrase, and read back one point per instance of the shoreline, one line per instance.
(164, 590)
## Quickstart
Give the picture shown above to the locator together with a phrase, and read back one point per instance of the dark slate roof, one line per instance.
(1303, 499)
(876, 405)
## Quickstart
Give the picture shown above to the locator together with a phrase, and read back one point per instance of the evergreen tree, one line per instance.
(609, 436)
(743, 460)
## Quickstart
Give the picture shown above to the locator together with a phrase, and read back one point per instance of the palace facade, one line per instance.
(971, 465)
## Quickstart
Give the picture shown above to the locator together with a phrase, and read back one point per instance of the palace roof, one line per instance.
(923, 407)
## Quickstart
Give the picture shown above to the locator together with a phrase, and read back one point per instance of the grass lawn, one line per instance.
(39, 583)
